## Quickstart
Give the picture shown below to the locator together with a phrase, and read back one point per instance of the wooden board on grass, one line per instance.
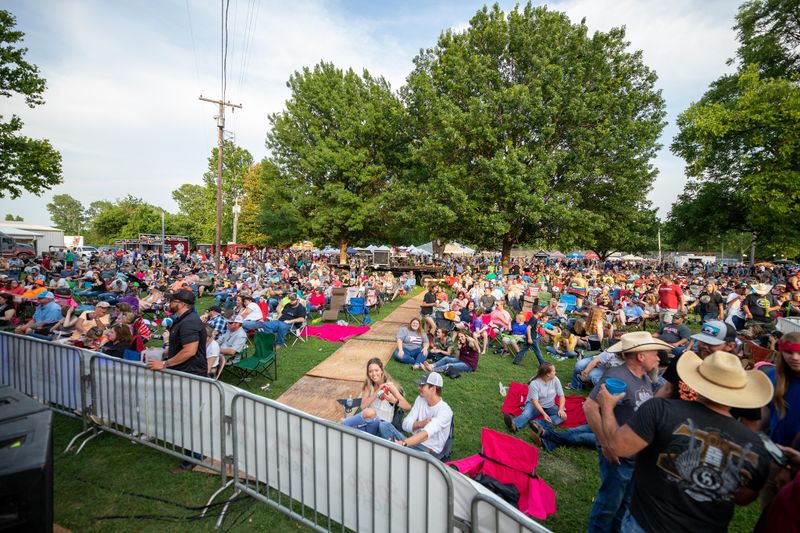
(317, 396)
(350, 361)
(402, 315)
(381, 331)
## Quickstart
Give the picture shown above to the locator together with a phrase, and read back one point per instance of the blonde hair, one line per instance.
(596, 317)
(783, 375)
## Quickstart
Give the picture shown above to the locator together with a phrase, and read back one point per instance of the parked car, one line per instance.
(104, 249)
(85, 251)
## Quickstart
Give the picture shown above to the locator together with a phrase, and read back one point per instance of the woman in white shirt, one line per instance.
(543, 392)
(378, 400)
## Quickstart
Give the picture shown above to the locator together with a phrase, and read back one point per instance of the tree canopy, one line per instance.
(26, 164)
(336, 147)
(67, 214)
(523, 124)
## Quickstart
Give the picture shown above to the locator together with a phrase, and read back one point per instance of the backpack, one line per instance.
(452, 372)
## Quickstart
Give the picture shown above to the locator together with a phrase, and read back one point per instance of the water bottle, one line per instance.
(349, 403)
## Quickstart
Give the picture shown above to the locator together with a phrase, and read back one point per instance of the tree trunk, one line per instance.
(342, 253)
(508, 243)
(437, 247)
(753, 250)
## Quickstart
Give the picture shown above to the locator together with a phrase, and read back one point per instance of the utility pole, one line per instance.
(221, 127)
(236, 210)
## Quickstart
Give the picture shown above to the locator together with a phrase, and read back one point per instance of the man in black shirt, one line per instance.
(694, 462)
(186, 351)
(293, 312)
(760, 305)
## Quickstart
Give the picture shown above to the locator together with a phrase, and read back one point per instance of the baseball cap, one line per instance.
(236, 320)
(102, 304)
(183, 295)
(677, 315)
(39, 282)
(215, 308)
(716, 332)
(293, 296)
(45, 294)
(433, 378)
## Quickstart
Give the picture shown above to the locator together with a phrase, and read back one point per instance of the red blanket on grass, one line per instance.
(335, 332)
(515, 400)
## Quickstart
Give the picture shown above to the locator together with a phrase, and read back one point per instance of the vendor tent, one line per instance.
(575, 255)
(541, 254)
(557, 255)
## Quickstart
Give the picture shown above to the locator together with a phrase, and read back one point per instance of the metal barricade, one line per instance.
(332, 477)
(177, 413)
(492, 515)
(49, 372)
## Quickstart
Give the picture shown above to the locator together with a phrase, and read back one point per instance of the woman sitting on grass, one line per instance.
(543, 391)
(467, 360)
(380, 396)
(442, 345)
(412, 344)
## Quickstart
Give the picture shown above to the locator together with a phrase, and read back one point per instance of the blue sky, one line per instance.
(124, 77)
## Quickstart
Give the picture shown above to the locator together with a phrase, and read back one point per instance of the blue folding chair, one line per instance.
(355, 309)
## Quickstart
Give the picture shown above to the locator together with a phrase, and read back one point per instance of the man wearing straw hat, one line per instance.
(694, 461)
(642, 354)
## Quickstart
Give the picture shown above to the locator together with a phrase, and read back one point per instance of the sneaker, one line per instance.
(508, 421)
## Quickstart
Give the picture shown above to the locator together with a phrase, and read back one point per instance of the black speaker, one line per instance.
(26, 463)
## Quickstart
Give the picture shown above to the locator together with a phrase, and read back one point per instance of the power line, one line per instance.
(194, 48)
(225, 52)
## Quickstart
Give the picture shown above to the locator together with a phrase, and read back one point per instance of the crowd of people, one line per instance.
(674, 414)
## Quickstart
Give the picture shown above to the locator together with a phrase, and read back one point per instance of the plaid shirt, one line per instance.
(218, 323)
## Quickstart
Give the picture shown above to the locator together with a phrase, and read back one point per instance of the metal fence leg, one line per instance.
(213, 496)
(97, 434)
(225, 509)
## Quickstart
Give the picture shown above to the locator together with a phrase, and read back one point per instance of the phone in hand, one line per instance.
(776, 453)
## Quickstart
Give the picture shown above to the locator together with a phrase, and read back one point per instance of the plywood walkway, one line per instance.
(342, 373)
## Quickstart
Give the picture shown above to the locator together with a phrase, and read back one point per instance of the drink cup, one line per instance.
(616, 386)
(154, 354)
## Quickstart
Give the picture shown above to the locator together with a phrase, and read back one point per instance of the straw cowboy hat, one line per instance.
(721, 378)
(639, 341)
(762, 289)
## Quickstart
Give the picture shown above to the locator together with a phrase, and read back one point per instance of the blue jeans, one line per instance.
(445, 362)
(279, 328)
(709, 316)
(529, 412)
(388, 431)
(578, 436)
(248, 325)
(613, 497)
(676, 351)
(738, 323)
(630, 525)
(552, 351)
(357, 421)
(413, 356)
(594, 374)
(537, 350)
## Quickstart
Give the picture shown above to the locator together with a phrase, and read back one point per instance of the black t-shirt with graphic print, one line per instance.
(696, 460)
(757, 305)
(709, 303)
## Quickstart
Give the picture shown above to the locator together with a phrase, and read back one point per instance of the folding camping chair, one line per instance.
(298, 331)
(569, 302)
(355, 309)
(337, 303)
(511, 460)
(259, 363)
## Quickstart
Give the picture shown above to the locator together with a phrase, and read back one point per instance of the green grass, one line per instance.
(98, 483)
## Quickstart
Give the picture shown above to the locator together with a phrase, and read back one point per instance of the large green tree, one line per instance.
(196, 203)
(236, 163)
(525, 126)
(337, 147)
(26, 164)
(740, 140)
(68, 214)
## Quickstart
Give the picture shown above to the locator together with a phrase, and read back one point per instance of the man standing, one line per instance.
(670, 299)
(640, 352)
(428, 421)
(694, 461)
(187, 337)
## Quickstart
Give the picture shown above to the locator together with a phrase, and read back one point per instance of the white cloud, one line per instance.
(123, 80)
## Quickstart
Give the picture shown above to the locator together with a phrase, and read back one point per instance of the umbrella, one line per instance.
(592, 255)
(557, 255)
(541, 254)
(575, 255)
(351, 251)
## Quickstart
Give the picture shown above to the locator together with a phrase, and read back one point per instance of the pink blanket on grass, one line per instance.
(515, 401)
(335, 332)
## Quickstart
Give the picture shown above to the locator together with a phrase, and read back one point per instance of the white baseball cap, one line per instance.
(434, 378)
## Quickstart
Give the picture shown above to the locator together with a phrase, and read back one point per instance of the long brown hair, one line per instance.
(544, 369)
(783, 375)
(596, 316)
(374, 361)
(123, 334)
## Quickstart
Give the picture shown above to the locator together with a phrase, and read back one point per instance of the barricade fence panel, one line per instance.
(48, 372)
(490, 514)
(176, 412)
(331, 477)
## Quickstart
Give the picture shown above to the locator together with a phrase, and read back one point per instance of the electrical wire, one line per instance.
(194, 47)
(225, 52)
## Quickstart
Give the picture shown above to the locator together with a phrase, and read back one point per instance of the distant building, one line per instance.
(40, 237)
